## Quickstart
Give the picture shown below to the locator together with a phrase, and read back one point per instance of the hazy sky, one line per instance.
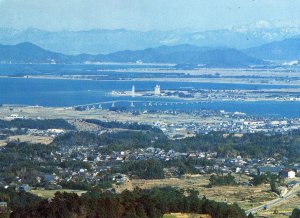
(145, 14)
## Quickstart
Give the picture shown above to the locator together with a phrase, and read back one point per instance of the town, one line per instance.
(80, 154)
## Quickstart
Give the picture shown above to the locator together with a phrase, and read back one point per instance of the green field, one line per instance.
(50, 193)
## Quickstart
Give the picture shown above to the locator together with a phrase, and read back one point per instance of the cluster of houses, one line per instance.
(101, 164)
(280, 170)
(49, 132)
(92, 165)
(240, 95)
(231, 122)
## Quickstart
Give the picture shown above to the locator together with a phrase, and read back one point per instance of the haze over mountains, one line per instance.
(220, 48)
(181, 54)
(288, 49)
(27, 52)
(101, 41)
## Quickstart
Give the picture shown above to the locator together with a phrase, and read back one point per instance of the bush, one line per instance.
(216, 180)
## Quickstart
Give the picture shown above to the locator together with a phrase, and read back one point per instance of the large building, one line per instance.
(157, 90)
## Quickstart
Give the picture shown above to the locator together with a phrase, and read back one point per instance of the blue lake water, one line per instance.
(57, 93)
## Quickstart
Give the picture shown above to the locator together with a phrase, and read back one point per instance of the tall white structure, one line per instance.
(157, 90)
(133, 91)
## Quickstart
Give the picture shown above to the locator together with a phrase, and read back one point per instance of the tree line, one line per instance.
(132, 204)
(126, 125)
(36, 124)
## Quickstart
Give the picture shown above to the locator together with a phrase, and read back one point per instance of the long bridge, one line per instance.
(131, 103)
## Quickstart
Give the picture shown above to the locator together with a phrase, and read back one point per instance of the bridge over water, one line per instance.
(133, 103)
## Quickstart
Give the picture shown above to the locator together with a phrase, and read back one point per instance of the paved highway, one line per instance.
(273, 202)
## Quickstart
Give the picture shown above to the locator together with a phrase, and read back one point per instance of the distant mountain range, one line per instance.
(180, 54)
(107, 41)
(288, 49)
(285, 50)
(29, 53)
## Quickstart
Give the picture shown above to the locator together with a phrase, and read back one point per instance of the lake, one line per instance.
(62, 93)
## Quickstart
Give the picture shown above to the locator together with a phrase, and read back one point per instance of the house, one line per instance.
(120, 178)
(293, 184)
(48, 178)
(274, 170)
(286, 173)
(3, 204)
(3, 207)
(24, 188)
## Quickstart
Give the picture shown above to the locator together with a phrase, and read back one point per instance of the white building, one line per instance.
(288, 173)
(291, 174)
(133, 91)
(157, 90)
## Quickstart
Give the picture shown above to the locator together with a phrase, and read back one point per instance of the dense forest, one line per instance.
(120, 125)
(146, 169)
(36, 124)
(114, 141)
(132, 204)
(21, 159)
(256, 145)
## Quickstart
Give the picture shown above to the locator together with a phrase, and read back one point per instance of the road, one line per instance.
(275, 201)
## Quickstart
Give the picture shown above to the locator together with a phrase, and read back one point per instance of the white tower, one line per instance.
(157, 90)
(133, 91)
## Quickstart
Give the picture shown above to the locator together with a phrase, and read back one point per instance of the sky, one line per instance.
(145, 15)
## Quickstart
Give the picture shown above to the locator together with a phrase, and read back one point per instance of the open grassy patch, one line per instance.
(50, 193)
(186, 215)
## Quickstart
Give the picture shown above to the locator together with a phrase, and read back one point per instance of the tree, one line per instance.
(260, 179)
(295, 213)
(250, 215)
(145, 169)
(274, 185)
(216, 180)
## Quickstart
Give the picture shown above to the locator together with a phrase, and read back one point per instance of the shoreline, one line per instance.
(187, 80)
